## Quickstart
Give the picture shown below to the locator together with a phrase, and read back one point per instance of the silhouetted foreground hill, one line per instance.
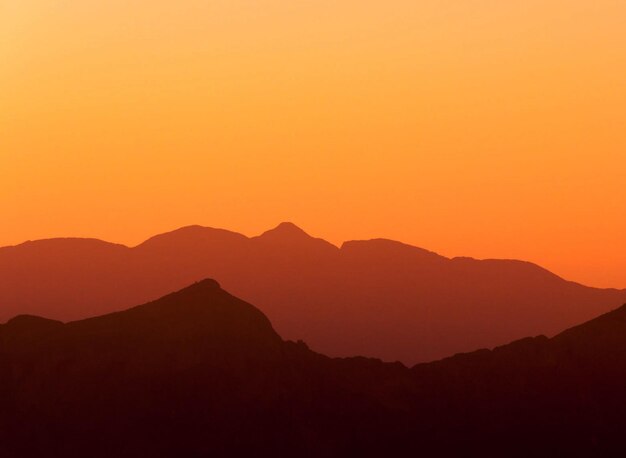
(376, 297)
(200, 373)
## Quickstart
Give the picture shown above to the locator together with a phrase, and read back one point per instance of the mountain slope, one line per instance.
(376, 297)
(196, 373)
(202, 373)
(562, 396)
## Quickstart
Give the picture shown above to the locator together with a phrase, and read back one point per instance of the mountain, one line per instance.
(376, 297)
(196, 373)
(562, 396)
(200, 373)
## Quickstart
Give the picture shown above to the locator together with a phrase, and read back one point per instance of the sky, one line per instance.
(468, 127)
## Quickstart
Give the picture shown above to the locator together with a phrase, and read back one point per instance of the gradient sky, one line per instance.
(486, 128)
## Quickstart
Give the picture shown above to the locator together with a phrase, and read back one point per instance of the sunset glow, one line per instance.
(492, 129)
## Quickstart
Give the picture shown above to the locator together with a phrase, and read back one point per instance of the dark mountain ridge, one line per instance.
(202, 373)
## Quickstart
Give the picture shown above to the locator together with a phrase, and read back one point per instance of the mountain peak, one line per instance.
(286, 228)
(199, 317)
(27, 328)
(191, 236)
(207, 283)
(288, 234)
(391, 249)
(22, 321)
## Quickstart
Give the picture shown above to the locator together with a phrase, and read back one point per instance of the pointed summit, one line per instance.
(285, 230)
(288, 226)
(287, 233)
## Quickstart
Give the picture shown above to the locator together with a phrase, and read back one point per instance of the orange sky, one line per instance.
(486, 128)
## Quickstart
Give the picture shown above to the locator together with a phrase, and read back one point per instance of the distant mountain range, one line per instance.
(200, 373)
(376, 297)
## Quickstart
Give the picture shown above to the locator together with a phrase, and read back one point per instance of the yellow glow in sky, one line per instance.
(480, 128)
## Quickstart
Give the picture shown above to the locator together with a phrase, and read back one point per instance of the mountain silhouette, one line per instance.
(195, 373)
(377, 297)
(201, 373)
